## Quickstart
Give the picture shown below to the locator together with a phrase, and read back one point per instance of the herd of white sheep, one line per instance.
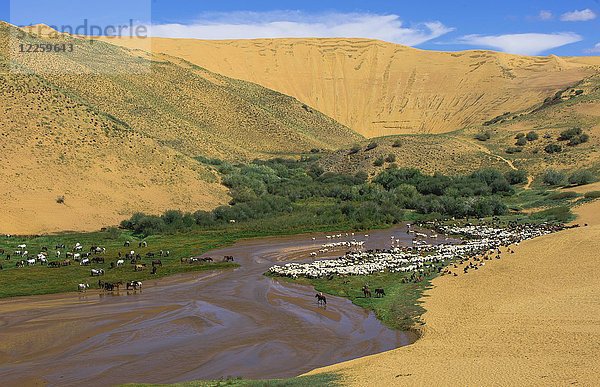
(477, 240)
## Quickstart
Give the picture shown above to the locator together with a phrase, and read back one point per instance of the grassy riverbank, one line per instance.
(399, 309)
(38, 279)
(328, 379)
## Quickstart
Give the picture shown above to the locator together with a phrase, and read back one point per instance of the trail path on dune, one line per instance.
(531, 318)
(489, 152)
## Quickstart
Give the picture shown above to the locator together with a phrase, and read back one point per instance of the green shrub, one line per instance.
(391, 158)
(560, 214)
(562, 195)
(372, 146)
(532, 136)
(553, 148)
(592, 195)
(582, 138)
(513, 149)
(521, 142)
(569, 134)
(484, 136)
(519, 135)
(397, 143)
(582, 178)
(516, 177)
(379, 161)
(553, 177)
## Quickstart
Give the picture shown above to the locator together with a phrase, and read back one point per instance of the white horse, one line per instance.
(31, 262)
(97, 272)
(22, 246)
(84, 262)
(120, 262)
(83, 287)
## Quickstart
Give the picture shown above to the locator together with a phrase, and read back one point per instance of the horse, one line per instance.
(379, 292)
(140, 267)
(157, 262)
(84, 262)
(366, 291)
(150, 254)
(97, 272)
(228, 258)
(120, 262)
(108, 286)
(98, 260)
(321, 299)
(134, 285)
(153, 270)
(83, 287)
(126, 244)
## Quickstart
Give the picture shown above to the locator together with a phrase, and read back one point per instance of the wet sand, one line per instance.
(195, 326)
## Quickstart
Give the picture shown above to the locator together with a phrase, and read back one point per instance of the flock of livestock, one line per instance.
(422, 257)
(76, 255)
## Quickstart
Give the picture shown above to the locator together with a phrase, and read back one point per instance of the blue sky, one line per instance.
(561, 27)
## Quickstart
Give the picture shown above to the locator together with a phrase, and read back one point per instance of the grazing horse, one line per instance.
(153, 270)
(321, 299)
(83, 287)
(139, 267)
(228, 258)
(98, 260)
(97, 272)
(366, 291)
(157, 262)
(379, 292)
(120, 262)
(126, 244)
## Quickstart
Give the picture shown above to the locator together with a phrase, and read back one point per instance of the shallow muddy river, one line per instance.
(196, 326)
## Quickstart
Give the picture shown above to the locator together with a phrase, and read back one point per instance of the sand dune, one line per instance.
(531, 318)
(379, 88)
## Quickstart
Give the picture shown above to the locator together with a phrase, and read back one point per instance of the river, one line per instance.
(210, 325)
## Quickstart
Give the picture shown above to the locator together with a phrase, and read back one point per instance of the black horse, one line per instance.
(379, 292)
(321, 299)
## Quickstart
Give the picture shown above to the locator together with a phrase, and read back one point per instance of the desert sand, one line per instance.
(378, 88)
(531, 318)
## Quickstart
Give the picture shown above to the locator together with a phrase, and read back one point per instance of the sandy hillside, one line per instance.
(531, 318)
(379, 88)
(116, 132)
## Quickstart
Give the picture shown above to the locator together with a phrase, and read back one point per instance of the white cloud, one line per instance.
(545, 15)
(575, 16)
(524, 44)
(594, 50)
(292, 24)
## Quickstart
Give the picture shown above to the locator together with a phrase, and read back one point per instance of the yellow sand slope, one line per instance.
(531, 318)
(379, 88)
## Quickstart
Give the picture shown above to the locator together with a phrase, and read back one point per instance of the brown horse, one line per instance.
(321, 299)
(366, 291)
